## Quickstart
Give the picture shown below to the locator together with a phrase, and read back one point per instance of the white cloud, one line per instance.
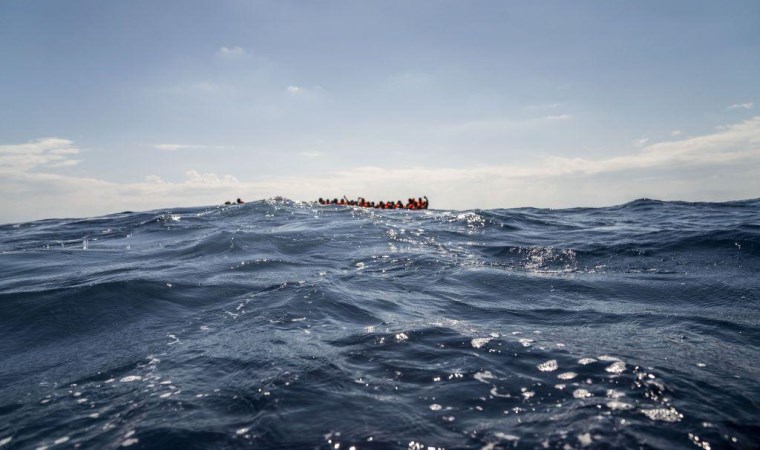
(641, 142)
(747, 105)
(42, 153)
(193, 176)
(676, 133)
(559, 117)
(294, 90)
(311, 93)
(155, 179)
(231, 51)
(64, 163)
(311, 154)
(732, 144)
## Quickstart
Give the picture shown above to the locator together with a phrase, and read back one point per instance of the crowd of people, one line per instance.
(412, 203)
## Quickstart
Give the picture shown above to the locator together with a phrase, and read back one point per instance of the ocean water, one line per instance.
(278, 324)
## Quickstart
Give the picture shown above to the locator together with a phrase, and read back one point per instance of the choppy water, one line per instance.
(284, 325)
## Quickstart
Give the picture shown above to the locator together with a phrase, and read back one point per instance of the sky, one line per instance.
(108, 106)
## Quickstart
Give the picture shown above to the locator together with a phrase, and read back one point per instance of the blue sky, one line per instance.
(107, 106)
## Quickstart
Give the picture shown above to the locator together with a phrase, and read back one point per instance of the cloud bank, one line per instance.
(723, 165)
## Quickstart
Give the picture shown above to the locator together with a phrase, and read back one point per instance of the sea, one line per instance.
(288, 325)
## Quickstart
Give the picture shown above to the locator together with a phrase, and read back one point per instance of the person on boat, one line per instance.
(420, 203)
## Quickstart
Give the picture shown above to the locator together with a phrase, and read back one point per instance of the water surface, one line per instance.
(277, 324)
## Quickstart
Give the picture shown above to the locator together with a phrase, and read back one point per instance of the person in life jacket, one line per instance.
(412, 203)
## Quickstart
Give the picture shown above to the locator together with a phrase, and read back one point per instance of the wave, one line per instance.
(288, 324)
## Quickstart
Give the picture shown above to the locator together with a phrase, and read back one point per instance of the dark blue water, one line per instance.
(287, 325)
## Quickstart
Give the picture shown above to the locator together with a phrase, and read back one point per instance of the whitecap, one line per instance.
(616, 367)
(663, 414)
(611, 393)
(131, 378)
(581, 393)
(614, 404)
(567, 375)
(548, 366)
(495, 393)
(506, 437)
(479, 342)
(526, 342)
(484, 376)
